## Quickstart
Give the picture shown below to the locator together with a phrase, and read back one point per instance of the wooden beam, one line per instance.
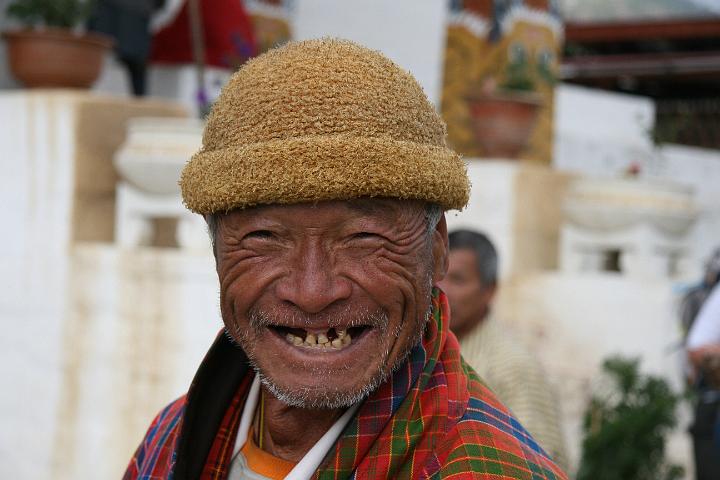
(603, 32)
(642, 65)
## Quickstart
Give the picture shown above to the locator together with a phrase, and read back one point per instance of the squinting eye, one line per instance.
(369, 236)
(261, 234)
(365, 235)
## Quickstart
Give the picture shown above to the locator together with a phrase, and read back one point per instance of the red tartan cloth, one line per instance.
(228, 34)
(433, 419)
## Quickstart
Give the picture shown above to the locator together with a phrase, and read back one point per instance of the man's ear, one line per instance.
(440, 250)
(214, 228)
(488, 294)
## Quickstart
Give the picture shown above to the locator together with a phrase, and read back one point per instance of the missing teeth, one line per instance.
(332, 339)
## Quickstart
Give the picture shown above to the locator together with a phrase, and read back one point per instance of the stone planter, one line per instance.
(615, 204)
(637, 227)
(55, 58)
(155, 152)
(148, 202)
(503, 122)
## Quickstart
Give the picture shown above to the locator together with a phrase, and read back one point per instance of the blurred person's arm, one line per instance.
(703, 341)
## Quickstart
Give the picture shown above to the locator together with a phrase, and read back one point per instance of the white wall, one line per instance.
(700, 168)
(491, 207)
(600, 133)
(35, 183)
(572, 322)
(138, 323)
(410, 32)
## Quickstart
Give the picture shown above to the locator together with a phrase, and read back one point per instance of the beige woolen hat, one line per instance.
(322, 120)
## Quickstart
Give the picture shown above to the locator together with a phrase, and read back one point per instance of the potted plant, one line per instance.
(504, 114)
(51, 50)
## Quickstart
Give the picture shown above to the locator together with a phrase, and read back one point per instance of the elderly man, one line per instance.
(509, 369)
(323, 176)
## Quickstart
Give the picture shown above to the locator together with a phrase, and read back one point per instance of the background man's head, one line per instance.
(712, 268)
(324, 174)
(471, 279)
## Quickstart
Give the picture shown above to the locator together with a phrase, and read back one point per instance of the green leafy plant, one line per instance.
(50, 13)
(523, 74)
(625, 427)
(517, 78)
(518, 74)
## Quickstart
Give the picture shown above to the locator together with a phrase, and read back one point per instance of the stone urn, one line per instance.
(148, 206)
(618, 203)
(155, 152)
(502, 122)
(628, 226)
(56, 58)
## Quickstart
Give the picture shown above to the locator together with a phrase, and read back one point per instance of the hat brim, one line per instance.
(310, 169)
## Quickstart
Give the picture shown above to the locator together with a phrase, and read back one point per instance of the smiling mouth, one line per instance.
(322, 339)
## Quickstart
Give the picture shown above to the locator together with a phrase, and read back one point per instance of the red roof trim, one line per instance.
(598, 32)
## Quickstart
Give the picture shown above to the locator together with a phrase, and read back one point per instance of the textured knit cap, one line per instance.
(322, 120)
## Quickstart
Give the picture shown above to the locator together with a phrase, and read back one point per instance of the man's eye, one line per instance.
(365, 235)
(259, 234)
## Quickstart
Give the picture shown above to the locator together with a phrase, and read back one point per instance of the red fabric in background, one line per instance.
(227, 30)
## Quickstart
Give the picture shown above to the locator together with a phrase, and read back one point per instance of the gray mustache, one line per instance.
(260, 319)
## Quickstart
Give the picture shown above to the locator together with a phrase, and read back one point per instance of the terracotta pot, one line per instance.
(55, 57)
(503, 122)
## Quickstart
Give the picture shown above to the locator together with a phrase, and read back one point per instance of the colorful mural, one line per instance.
(501, 63)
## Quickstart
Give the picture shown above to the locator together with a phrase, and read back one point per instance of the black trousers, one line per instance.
(128, 22)
(706, 444)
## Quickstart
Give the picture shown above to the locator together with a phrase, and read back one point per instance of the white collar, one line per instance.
(306, 467)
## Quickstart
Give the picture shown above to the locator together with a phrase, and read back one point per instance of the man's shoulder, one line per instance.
(155, 456)
(479, 452)
(498, 347)
(485, 413)
(489, 439)
(168, 419)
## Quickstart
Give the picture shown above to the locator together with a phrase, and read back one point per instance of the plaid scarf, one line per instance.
(433, 419)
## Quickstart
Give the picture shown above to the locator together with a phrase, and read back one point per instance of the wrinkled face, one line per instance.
(326, 299)
(469, 298)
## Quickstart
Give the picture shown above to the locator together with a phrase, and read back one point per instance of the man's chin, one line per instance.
(309, 376)
(322, 397)
(305, 376)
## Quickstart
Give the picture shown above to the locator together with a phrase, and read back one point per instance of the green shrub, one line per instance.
(625, 427)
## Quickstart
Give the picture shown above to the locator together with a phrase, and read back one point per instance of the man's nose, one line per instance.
(312, 283)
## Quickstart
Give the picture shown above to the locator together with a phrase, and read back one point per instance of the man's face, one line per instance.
(469, 298)
(326, 299)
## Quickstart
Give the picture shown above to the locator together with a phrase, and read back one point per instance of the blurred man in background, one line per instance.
(507, 367)
(701, 316)
(128, 23)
